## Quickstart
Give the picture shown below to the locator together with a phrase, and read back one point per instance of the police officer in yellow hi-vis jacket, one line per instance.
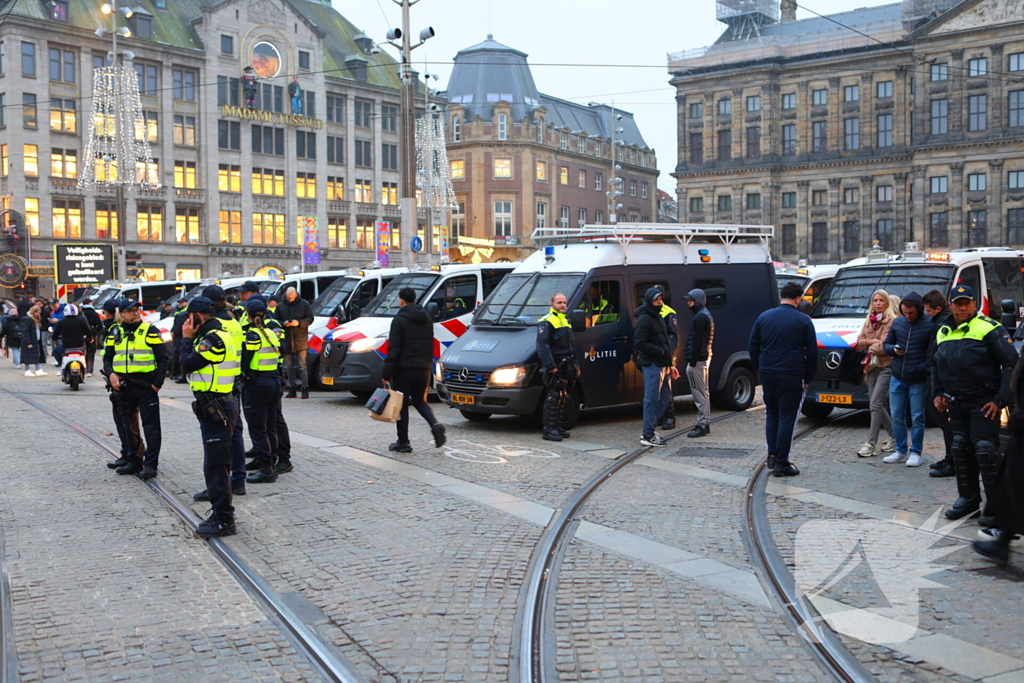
(210, 356)
(558, 362)
(261, 400)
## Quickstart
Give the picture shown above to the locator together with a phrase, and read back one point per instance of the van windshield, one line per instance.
(335, 295)
(385, 304)
(106, 295)
(523, 299)
(269, 287)
(849, 293)
(785, 278)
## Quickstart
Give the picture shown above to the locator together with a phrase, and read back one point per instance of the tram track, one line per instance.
(326, 660)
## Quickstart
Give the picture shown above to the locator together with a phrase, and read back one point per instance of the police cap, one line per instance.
(126, 304)
(110, 306)
(200, 304)
(214, 293)
(255, 305)
(961, 292)
(249, 286)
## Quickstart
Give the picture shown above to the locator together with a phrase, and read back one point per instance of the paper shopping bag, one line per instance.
(392, 407)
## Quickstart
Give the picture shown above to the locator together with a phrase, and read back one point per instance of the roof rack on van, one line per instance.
(683, 233)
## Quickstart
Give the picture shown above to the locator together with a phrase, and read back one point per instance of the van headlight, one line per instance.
(512, 376)
(438, 373)
(364, 345)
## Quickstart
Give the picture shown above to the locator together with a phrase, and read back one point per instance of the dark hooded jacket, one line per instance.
(702, 331)
(410, 342)
(914, 338)
(651, 343)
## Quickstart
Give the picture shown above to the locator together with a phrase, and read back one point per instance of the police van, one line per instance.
(993, 273)
(604, 271)
(813, 279)
(353, 354)
(230, 286)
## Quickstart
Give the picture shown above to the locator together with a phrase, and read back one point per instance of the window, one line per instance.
(819, 97)
(851, 195)
(63, 117)
(185, 174)
(977, 67)
(632, 188)
(268, 181)
(64, 163)
(977, 228)
(789, 139)
(270, 98)
(149, 223)
(268, 140)
(268, 228)
(1016, 108)
(186, 224)
(977, 106)
(335, 188)
(939, 184)
(229, 135)
(3, 108)
(789, 202)
(458, 169)
(62, 65)
(502, 218)
(502, 127)
(364, 114)
(1016, 180)
(883, 233)
(142, 25)
(789, 101)
(819, 197)
(581, 144)
(884, 125)
(754, 103)
(28, 60)
(229, 178)
(32, 215)
(5, 162)
(389, 118)
(603, 302)
(337, 232)
(851, 237)
(883, 193)
(106, 221)
(67, 218)
(598, 182)
(310, 104)
(365, 232)
(459, 221)
(644, 189)
(456, 129)
(563, 141)
(696, 205)
(851, 93)
(819, 238)
(227, 91)
(724, 145)
(598, 217)
(581, 217)
(977, 182)
(389, 157)
(305, 185)
(335, 150)
(581, 179)
(304, 60)
(364, 192)
(820, 138)
(29, 115)
(851, 138)
(540, 171)
(147, 77)
(724, 107)
(542, 215)
(724, 202)
(184, 130)
(940, 72)
(229, 227)
(563, 175)
(1017, 61)
(59, 10)
(754, 201)
(883, 89)
(389, 193)
(335, 109)
(147, 172)
(939, 234)
(1014, 225)
(227, 45)
(305, 144)
(754, 142)
(697, 146)
(31, 160)
(3, 58)
(696, 110)
(503, 169)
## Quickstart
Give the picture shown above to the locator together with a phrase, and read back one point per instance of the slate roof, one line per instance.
(821, 26)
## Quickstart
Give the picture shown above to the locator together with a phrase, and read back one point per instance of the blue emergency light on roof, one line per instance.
(705, 255)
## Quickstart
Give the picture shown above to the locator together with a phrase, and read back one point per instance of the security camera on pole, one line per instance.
(407, 135)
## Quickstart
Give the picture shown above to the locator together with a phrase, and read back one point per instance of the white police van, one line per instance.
(604, 270)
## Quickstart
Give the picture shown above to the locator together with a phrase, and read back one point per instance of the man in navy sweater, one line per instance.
(783, 347)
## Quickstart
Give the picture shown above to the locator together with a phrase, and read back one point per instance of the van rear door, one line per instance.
(604, 347)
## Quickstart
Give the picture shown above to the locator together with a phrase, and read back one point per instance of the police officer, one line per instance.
(558, 362)
(135, 362)
(179, 319)
(974, 359)
(261, 360)
(668, 418)
(111, 321)
(210, 357)
(246, 291)
(598, 309)
(454, 306)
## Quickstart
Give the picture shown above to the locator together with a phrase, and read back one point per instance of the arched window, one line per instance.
(456, 129)
(502, 127)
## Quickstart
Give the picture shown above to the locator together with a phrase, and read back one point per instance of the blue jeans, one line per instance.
(657, 394)
(904, 396)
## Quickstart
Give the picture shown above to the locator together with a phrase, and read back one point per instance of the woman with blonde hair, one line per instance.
(876, 369)
(32, 341)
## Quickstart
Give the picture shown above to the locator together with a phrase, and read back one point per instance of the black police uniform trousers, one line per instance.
(138, 399)
(556, 401)
(413, 385)
(122, 433)
(262, 405)
(217, 456)
(175, 368)
(238, 472)
(975, 446)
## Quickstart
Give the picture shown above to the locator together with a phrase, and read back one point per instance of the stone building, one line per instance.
(521, 159)
(896, 123)
(234, 181)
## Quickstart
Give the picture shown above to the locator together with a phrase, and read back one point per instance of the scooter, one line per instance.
(72, 368)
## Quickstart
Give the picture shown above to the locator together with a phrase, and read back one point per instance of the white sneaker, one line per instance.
(29, 373)
(994, 534)
(914, 460)
(889, 445)
(866, 451)
(40, 372)
(898, 457)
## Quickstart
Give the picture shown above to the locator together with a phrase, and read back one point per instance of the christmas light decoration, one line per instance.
(433, 174)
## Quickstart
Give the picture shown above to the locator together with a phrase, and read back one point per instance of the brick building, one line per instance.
(896, 123)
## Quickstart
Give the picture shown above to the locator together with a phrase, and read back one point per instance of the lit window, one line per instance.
(563, 175)
(458, 169)
(502, 168)
(542, 171)
(31, 157)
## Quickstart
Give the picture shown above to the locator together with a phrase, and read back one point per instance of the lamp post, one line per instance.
(614, 182)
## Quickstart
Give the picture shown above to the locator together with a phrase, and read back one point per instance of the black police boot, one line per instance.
(284, 465)
(969, 500)
(181, 380)
(400, 447)
(963, 507)
(252, 465)
(130, 468)
(120, 462)
(251, 453)
(564, 433)
(201, 496)
(217, 525)
(785, 469)
(439, 435)
(266, 475)
(986, 521)
(550, 415)
(943, 469)
(770, 464)
(147, 473)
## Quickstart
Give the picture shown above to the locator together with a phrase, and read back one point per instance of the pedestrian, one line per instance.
(32, 341)
(653, 352)
(73, 332)
(176, 324)
(96, 328)
(876, 370)
(11, 333)
(698, 359)
(907, 342)
(974, 359)
(557, 351)
(668, 418)
(296, 316)
(783, 348)
(935, 308)
(407, 366)
(210, 357)
(261, 359)
(135, 362)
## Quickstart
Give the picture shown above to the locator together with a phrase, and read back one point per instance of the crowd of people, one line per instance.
(32, 330)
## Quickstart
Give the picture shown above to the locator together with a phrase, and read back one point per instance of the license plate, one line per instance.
(327, 381)
(836, 399)
(462, 398)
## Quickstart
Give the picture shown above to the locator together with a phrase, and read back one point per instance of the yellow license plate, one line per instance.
(462, 398)
(836, 399)
(327, 381)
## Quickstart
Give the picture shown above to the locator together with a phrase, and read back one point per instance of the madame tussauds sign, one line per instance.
(233, 112)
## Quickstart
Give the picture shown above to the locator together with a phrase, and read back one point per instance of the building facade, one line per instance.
(898, 123)
(234, 182)
(520, 159)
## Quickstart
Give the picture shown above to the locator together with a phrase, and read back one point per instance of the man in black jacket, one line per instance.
(72, 332)
(653, 353)
(410, 356)
(96, 325)
(295, 316)
(935, 308)
(907, 342)
(698, 359)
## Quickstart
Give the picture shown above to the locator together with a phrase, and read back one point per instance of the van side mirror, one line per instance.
(578, 320)
(804, 307)
(433, 311)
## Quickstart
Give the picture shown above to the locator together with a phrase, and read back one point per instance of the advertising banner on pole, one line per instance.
(444, 243)
(83, 264)
(310, 240)
(383, 242)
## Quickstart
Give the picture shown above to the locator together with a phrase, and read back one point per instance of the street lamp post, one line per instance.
(614, 182)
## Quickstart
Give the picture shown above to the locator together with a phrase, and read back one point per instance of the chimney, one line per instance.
(788, 10)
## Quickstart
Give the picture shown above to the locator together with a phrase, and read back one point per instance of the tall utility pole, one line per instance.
(614, 182)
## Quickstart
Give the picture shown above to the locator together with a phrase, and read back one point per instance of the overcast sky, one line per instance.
(594, 38)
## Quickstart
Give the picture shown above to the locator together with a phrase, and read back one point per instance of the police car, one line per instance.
(604, 270)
